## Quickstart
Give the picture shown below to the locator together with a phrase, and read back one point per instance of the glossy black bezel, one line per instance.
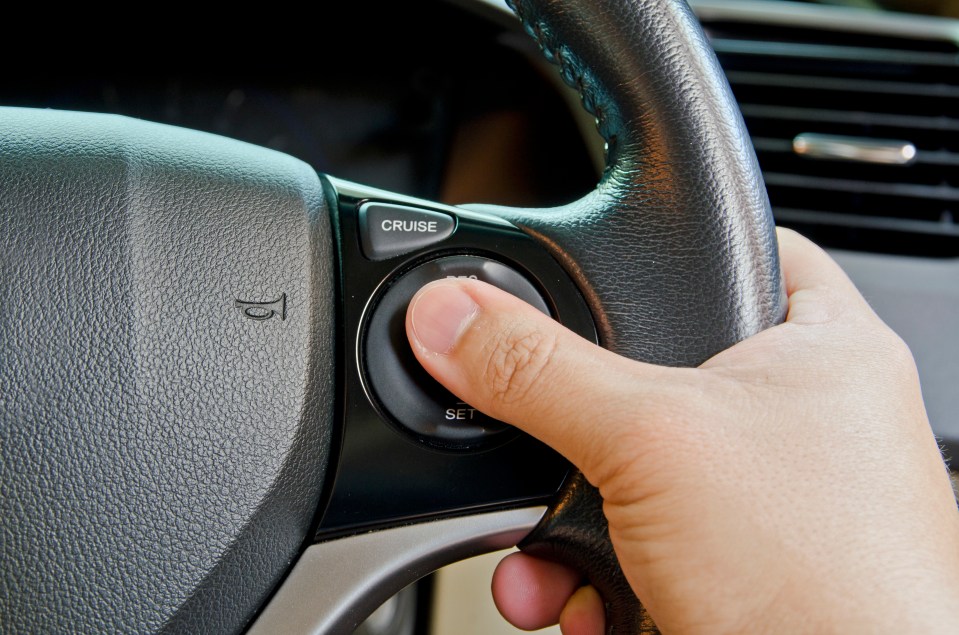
(386, 476)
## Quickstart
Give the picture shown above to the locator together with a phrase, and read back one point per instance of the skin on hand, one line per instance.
(790, 484)
(518, 590)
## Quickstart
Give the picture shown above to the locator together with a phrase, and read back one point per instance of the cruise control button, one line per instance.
(404, 390)
(388, 230)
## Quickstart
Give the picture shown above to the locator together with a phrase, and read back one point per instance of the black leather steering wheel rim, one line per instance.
(681, 179)
(674, 252)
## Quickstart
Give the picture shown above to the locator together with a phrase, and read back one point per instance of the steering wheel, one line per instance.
(209, 421)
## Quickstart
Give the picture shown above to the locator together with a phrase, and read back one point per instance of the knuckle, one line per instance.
(516, 365)
(901, 359)
(889, 347)
(900, 350)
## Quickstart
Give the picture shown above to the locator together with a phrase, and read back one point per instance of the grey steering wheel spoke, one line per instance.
(337, 584)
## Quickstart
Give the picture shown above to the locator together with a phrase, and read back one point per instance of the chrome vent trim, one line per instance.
(858, 149)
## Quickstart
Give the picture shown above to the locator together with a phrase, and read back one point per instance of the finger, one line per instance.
(510, 361)
(530, 593)
(817, 287)
(584, 614)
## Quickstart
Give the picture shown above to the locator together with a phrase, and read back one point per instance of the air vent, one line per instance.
(829, 109)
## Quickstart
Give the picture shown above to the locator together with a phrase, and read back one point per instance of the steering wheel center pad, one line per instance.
(162, 453)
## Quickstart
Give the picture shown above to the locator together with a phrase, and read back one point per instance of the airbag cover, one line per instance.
(161, 452)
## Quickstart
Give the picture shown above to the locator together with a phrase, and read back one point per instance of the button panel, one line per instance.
(386, 473)
(388, 230)
(405, 391)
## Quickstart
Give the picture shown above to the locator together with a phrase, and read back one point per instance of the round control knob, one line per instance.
(400, 386)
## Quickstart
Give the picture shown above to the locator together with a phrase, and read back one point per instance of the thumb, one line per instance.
(513, 363)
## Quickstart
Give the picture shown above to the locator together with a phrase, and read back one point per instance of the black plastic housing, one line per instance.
(385, 476)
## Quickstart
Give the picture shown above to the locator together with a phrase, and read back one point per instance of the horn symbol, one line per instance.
(260, 311)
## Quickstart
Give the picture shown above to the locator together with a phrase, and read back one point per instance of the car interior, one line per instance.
(445, 111)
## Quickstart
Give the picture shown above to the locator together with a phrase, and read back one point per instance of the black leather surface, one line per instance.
(575, 532)
(675, 249)
(161, 456)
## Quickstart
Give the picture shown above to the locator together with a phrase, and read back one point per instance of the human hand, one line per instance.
(790, 484)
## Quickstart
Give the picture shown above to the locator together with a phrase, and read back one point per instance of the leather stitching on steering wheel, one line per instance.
(572, 70)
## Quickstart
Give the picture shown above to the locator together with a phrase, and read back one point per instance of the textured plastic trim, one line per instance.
(339, 583)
